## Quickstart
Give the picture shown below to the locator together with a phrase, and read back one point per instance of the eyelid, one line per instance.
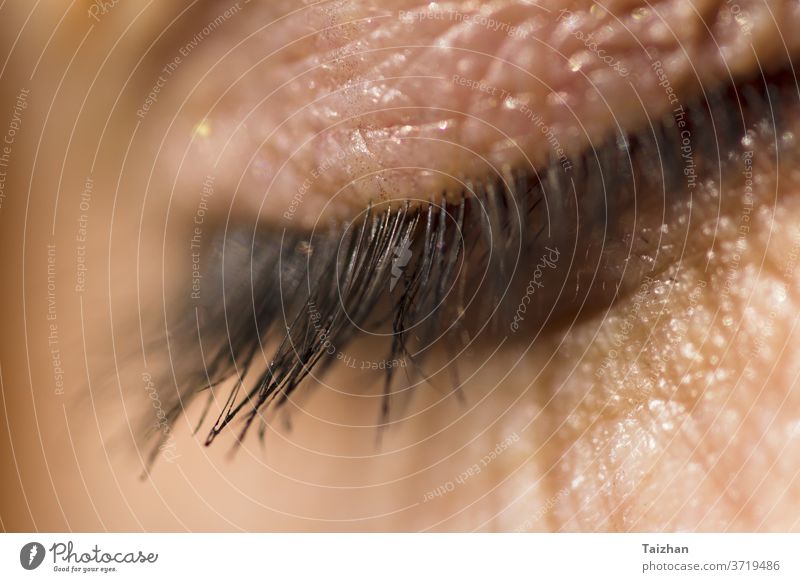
(361, 118)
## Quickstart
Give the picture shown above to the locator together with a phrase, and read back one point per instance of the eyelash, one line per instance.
(446, 256)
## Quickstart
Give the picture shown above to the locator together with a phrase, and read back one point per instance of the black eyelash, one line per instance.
(463, 255)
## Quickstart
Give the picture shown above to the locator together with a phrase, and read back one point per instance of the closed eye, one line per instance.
(506, 258)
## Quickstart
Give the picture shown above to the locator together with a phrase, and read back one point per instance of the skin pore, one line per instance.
(675, 409)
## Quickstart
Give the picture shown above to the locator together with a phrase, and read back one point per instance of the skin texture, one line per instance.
(675, 409)
(370, 86)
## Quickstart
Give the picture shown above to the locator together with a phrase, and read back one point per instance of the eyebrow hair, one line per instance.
(418, 269)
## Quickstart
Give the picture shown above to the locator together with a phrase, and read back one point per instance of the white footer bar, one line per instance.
(401, 557)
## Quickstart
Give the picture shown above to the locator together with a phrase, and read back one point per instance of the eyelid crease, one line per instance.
(426, 269)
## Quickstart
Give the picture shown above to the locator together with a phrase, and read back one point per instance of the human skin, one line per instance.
(701, 433)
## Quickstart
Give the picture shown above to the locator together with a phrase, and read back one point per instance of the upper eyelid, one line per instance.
(249, 191)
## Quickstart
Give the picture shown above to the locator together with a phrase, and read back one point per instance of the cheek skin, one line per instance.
(682, 413)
